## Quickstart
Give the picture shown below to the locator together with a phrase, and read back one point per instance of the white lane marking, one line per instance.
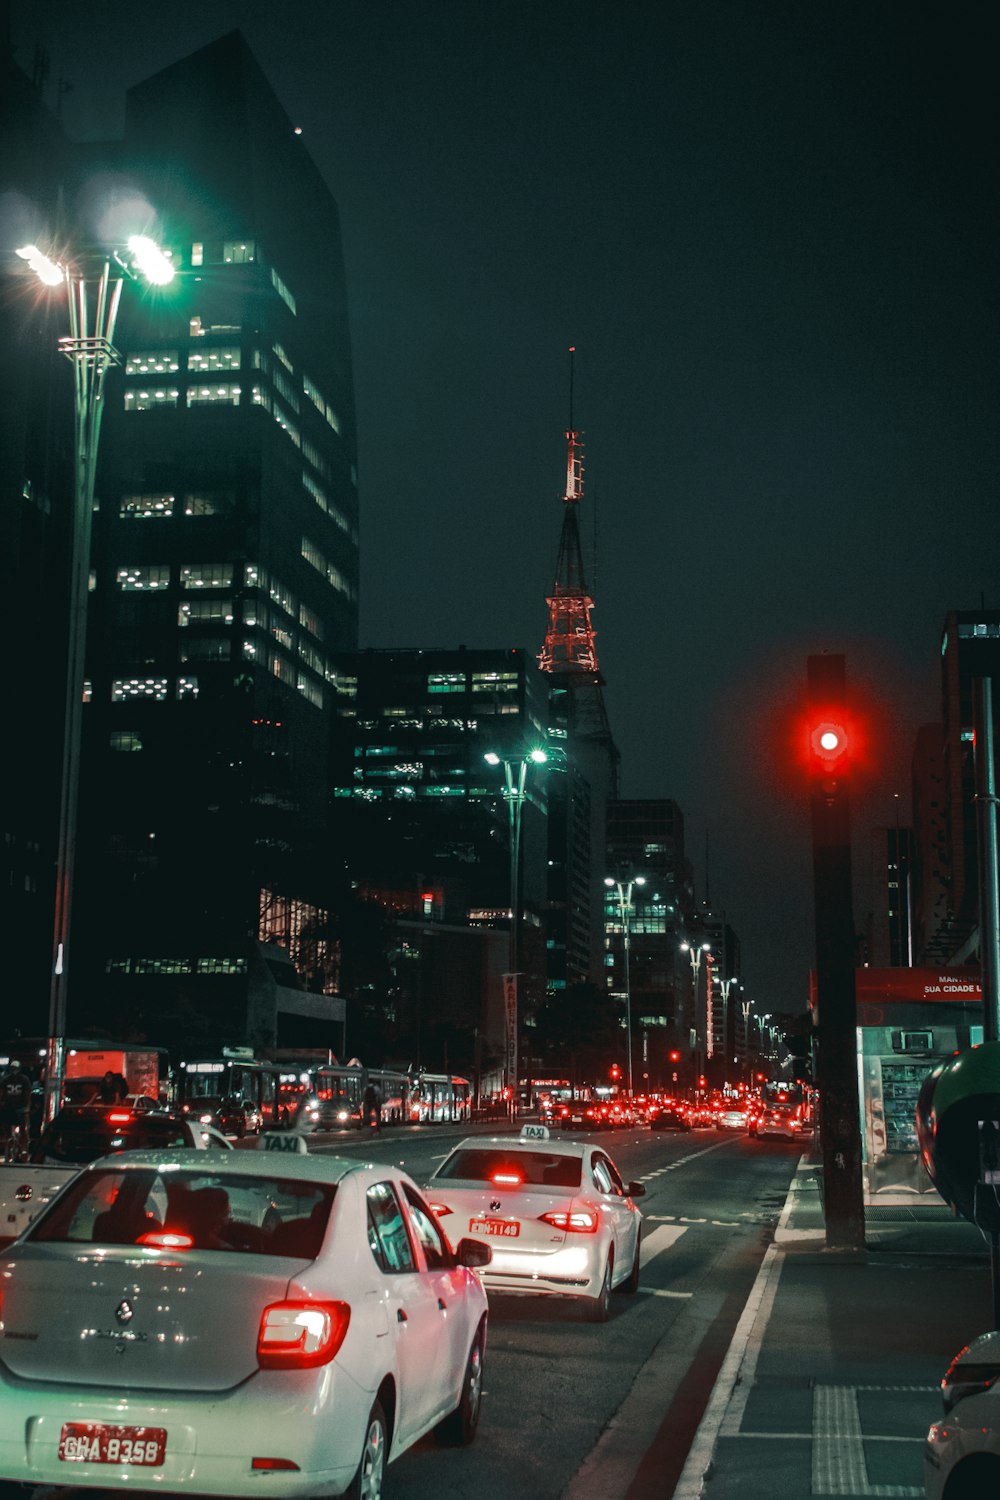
(659, 1291)
(661, 1239)
(838, 1446)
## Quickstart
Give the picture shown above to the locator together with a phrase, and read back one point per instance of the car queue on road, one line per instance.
(353, 1291)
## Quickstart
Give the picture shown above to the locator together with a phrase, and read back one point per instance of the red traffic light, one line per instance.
(674, 1056)
(614, 1071)
(829, 742)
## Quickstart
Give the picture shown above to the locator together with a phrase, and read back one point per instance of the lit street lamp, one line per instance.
(93, 292)
(515, 769)
(694, 952)
(725, 985)
(624, 889)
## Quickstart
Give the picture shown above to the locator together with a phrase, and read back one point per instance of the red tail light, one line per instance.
(507, 1179)
(119, 1117)
(166, 1239)
(300, 1335)
(579, 1221)
(270, 1464)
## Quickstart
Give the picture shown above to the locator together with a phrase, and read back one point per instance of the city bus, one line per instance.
(236, 1091)
(439, 1097)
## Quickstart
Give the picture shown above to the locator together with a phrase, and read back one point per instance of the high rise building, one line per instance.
(645, 841)
(422, 829)
(970, 649)
(224, 576)
(929, 884)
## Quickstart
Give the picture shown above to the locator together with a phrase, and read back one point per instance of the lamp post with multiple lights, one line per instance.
(515, 769)
(624, 889)
(93, 286)
(695, 952)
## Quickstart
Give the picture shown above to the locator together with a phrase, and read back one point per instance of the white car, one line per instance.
(962, 1456)
(559, 1217)
(220, 1323)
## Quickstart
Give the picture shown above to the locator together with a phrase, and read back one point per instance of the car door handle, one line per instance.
(401, 1315)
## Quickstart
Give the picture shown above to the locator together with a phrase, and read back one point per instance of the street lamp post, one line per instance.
(624, 890)
(93, 290)
(694, 952)
(515, 768)
(725, 985)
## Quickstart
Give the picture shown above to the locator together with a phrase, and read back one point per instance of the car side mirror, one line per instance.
(473, 1253)
(636, 1190)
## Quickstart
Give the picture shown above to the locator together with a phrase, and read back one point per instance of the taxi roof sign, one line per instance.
(283, 1140)
(535, 1133)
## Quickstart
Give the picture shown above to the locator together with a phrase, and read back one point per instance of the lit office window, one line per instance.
(125, 739)
(283, 597)
(152, 399)
(197, 253)
(283, 636)
(261, 396)
(313, 555)
(446, 682)
(221, 965)
(207, 395)
(282, 290)
(280, 353)
(127, 689)
(207, 576)
(283, 669)
(284, 420)
(238, 252)
(152, 362)
(310, 690)
(210, 503)
(145, 507)
(494, 682)
(187, 687)
(311, 622)
(286, 390)
(215, 357)
(211, 611)
(206, 648)
(312, 657)
(136, 579)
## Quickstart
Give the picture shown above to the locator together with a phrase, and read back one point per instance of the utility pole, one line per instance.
(830, 746)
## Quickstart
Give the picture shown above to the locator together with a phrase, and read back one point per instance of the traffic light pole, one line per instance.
(837, 1064)
(989, 900)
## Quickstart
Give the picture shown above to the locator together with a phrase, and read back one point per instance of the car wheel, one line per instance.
(974, 1477)
(598, 1309)
(631, 1284)
(367, 1482)
(459, 1427)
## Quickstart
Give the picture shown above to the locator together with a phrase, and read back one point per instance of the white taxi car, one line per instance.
(161, 1332)
(557, 1214)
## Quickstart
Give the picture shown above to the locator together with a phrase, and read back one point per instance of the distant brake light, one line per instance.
(582, 1221)
(301, 1335)
(507, 1179)
(119, 1116)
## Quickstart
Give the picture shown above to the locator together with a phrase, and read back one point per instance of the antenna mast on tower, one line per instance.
(570, 650)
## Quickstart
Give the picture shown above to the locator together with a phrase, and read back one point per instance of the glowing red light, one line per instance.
(507, 1179)
(166, 1239)
(828, 740)
(119, 1117)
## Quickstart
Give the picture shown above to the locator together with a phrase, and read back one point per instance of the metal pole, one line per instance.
(625, 902)
(90, 353)
(989, 899)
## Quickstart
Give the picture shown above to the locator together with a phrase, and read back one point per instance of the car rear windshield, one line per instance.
(167, 1209)
(530, 1168)
(83, 1139)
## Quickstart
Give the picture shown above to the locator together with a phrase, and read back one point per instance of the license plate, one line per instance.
(97, 1443)
(502, 1227)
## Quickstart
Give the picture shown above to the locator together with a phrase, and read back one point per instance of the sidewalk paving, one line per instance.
(832, 1377)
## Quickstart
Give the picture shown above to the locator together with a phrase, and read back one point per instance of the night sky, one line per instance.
(770, 230)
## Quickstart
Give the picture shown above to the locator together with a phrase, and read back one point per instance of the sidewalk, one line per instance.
(831, 1379)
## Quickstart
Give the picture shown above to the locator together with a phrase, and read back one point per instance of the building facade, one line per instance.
(224, 574)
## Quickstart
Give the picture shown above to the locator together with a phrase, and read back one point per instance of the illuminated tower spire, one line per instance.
(569, 651)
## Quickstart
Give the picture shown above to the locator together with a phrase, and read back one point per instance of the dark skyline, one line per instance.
(769, 232)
